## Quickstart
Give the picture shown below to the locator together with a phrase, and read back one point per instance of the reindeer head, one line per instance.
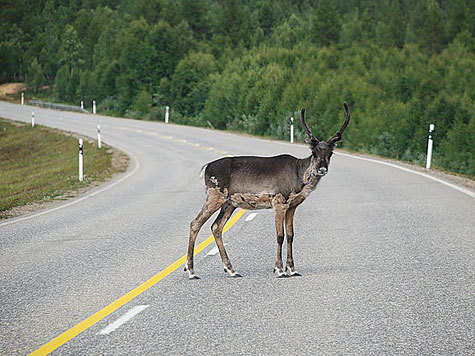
(323, 150)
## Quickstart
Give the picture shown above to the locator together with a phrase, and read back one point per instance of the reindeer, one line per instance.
(249, 182)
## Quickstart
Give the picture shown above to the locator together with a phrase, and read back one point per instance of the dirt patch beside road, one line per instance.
(10, 89)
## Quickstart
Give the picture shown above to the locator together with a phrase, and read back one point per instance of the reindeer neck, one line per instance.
(308, 173)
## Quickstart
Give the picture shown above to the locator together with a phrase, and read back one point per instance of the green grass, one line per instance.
(39, 164)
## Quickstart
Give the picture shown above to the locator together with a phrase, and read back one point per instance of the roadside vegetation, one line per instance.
(39, 164)
(249, 65)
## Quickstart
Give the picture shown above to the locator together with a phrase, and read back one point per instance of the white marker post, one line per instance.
(99, 143)
(22, 98)
(94, 107)
(291, 130)
(429, 145)
(81, 172)
(167, 114)
(33, 119)
(82, 104)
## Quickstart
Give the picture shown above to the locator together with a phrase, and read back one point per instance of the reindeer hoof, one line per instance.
(191, 274)
(293, 273)
(232, 273)
(280, 273)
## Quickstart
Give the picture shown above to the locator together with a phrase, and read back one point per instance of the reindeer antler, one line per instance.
(312, 139)
(337, 137)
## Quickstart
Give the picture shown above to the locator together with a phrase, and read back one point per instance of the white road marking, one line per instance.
(214, 251)
(251, 216)
(122, 320)
(453, 186)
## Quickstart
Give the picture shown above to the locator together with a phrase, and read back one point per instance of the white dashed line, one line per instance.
(251, 216)
(214, 251)
(122, 320)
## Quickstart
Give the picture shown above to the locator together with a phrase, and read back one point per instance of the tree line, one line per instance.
(249, 65)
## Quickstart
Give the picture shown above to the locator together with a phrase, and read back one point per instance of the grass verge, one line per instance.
(40, 164)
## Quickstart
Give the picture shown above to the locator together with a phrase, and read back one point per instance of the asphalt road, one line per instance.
(387, 258)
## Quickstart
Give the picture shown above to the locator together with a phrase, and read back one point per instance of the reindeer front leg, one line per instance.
(289, 229)
(280, 207)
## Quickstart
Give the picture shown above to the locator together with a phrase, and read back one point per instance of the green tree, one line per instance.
(150, 10)
(195, 14)
(11, 50)
(66, 84)
(36, 76)
(268, 16)
(191, 82)
(351, 29)
(87, 88)
(390, 31)
(235, 22)
(458, 18)
(141, 105)
(137, 62)
(325, 24)
(70, 50)
(426, 26)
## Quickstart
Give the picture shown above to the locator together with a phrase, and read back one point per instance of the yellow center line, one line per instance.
(101, 314)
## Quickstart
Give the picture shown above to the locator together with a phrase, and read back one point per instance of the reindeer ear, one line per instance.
(311, 141)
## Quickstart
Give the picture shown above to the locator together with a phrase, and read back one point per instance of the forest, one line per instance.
(248, 66)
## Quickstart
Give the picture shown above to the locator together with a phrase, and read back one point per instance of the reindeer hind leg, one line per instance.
(214, 200)
(217, 229)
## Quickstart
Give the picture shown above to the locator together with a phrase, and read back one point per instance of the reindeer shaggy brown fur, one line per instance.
(281, 182)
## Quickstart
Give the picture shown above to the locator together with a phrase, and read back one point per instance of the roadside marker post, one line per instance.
(81, 171)
(82, 104)
(33, 119)
(94, 107)
(167, 114)
(22, 98)
(430, 142)
(99, 143)
(291, 130)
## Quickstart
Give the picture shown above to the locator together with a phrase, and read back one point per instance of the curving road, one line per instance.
(387, 257)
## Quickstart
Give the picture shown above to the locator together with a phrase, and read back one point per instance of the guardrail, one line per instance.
(56, 106)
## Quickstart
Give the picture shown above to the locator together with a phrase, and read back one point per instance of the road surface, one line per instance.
(387, 258)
